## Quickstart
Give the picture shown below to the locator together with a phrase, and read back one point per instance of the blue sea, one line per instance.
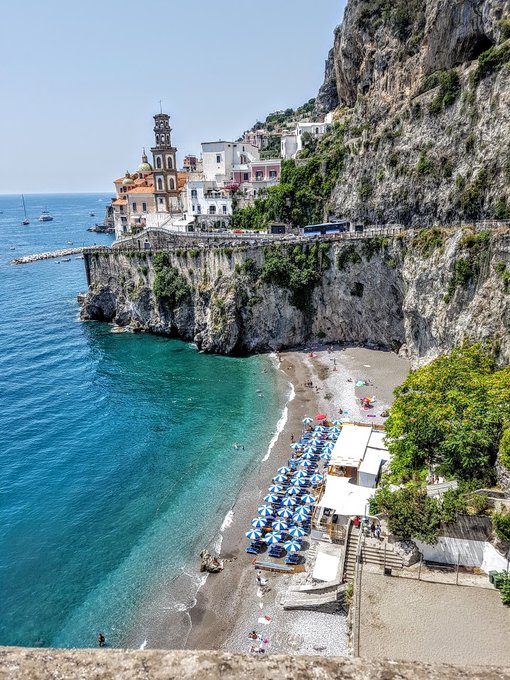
(117, 463)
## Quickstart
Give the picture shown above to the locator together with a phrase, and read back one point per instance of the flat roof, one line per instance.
(372, 461)
(377, 440)
(326, 567)
(344, 497)
(350, 446)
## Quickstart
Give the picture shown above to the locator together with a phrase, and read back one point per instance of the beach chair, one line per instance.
(252, 549)
(293, 558)
(276, 551)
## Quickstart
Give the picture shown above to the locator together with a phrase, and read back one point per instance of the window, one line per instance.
(171, 184)
(157, 139)
(246, 177)
(160, 185)
(259, 176)
(212, 210)
(134, 207)
(160, 201)
(194, 193)
(169, 162)
(224, 209)
(199, 209)
(272, 174)
(218, 158)
(144, 207)
(168, 139)
(158, 162)
(316, 131)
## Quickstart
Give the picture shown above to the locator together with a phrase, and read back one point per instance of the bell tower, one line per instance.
(164, 165)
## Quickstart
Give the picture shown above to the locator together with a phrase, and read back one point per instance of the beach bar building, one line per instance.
(353, 473)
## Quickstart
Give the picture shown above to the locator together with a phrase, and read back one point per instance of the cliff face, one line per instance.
(420, 295)
(423, 89)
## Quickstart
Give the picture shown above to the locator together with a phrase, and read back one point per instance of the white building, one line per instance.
(292, 142)
(219, 159)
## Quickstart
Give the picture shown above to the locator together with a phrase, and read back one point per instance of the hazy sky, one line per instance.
(80, 80)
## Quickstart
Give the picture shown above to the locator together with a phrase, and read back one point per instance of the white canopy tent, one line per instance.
(344, 498)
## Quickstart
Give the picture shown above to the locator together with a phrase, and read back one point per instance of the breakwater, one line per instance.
(63, 252)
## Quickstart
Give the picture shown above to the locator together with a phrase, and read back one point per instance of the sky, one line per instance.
(81, 80)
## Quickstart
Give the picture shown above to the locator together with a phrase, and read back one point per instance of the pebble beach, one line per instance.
(230, 604)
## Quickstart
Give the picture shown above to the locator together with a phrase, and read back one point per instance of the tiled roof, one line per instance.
(141, 190)
(119, 201)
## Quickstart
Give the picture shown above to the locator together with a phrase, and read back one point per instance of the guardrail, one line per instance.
(356, 602)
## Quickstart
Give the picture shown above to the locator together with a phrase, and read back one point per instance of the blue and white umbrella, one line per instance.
(265, 510)
(292, 546)
(336, 423)
(283, 470)
(326, 455)
(259, 522)
(272, 537)
(295, 446)
(275, 488)
(310, 449)
(308, 463)
(288, 501)
(308, 498)
(293, 490)
(336, 430)
(280, 478)
(280, 525)
(307, 456)
(321, 428)
(253, 534)
(285, 512)
(300, 481)
(307, 420)
(299, 474)
(296, 532)
(271, 498)
(300, 514)
(315, 479)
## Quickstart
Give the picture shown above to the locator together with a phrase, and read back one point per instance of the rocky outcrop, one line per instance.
(426, 131)
(327, 97)
(419, 294)
(210, 563)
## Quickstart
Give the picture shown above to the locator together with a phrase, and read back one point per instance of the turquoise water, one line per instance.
(116, 457)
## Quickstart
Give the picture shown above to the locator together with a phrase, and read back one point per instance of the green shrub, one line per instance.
(491, 61)
(348, 255)
(170, 287)
(411, 513)
(501, 524)
(504, 448)
(365, 189)
(505, 592)
(504, 28)
(425, 165)
(373, 246)
(502, 209)
(428, 240)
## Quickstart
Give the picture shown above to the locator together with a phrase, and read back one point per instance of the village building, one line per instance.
(292, 141)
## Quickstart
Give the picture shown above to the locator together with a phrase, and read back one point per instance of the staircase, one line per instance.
(350, 554)
(324, 597)
(381, 554)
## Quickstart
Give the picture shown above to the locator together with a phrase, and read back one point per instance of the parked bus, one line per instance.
(326, 228)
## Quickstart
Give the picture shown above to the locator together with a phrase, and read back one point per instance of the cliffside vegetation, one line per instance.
(170, 287)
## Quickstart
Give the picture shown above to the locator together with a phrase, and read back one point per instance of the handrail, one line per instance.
(357, 596)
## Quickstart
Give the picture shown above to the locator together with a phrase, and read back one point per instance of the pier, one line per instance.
(63, 252)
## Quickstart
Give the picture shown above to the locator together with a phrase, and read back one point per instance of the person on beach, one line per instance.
(101, 640)
(378, 532)
(253, 635)
(292, 438)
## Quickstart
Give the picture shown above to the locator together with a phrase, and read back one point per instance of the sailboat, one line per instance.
(26, 220)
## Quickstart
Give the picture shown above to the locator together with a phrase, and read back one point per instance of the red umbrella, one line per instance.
(321, 416)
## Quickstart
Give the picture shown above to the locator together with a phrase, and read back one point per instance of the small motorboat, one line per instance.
(92, 214)
(45, 216)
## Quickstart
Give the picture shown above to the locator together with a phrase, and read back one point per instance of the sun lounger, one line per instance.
(294, 558)
(276, 551)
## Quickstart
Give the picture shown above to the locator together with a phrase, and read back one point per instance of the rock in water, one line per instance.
(210, 563)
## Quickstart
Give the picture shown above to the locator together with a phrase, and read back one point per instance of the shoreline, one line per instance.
(227, 605)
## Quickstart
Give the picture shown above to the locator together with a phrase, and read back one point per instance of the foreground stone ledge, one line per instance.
(95, 664)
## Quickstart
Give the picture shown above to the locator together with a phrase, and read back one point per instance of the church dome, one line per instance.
(144, 166)
(127, 180)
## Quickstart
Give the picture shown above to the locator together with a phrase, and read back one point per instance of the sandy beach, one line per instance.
(230, 604)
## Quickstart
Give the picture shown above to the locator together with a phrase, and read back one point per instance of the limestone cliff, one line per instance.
(418, 293)
(422, 88)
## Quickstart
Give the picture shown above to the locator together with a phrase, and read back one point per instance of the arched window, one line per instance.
(169, 162)
(157, 139)
(171, 184)
(212, 210)
(158, 162)
(160, 184)
(168, 139)
(194, 193)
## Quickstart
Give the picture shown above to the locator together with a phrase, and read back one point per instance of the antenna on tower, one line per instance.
(160, 107)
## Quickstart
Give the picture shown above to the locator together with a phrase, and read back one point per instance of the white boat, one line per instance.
(45, 216)
(25, 220)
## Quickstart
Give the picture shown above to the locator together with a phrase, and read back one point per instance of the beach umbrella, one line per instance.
(265, 510)
(301, 514)
(299, 474)
(307, 420)
(285, 512)
(296, 532)
(336, 423)
(315, 479)
(336, 430)
(253, 534)
(280, 478)
(308, 498)
(321, 428)
(310, 449)
(326, 455)
(307, 456)
(293, 490)
(283, 470)
(280, 525)
(271, 498)
(288, 501)
(259, 522)
(321, 416)
(295, 446)
(275, 488)
(308, 463)
(272, 537)
(292, 546)
(302, 481)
